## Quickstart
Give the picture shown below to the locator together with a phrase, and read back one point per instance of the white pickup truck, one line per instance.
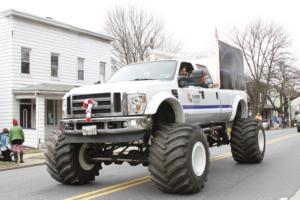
(148, 114)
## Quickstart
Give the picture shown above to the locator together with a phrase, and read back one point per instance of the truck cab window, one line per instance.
(200, 79)
(207, 77)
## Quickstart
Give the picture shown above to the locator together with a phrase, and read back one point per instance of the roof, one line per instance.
(51, 22)
(45, 88)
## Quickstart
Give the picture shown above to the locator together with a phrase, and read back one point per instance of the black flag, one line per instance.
(231, 67)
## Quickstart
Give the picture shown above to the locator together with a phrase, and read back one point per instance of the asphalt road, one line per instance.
(278, 176)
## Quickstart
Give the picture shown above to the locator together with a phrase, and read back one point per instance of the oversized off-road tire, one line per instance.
(67, 164)
(179, 159)
(248, 141)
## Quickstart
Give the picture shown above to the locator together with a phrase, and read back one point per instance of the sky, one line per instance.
(191, 22)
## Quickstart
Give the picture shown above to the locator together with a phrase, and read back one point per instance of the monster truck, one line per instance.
(147, 114)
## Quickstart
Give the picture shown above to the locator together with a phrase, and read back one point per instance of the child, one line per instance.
(5, 148)
(16, 138)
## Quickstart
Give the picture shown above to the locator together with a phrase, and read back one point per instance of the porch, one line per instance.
(39, 110)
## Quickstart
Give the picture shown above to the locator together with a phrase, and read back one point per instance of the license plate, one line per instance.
(89, 130)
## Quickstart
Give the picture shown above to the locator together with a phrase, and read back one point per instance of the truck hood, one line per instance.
(129, 87)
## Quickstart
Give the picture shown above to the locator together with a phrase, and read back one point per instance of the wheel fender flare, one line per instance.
(239, 99)
(156, 100)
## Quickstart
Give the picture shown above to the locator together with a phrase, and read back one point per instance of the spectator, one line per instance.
(275, 121)
(5, 148)
(279, 121)
(16, 138)
(283, 121)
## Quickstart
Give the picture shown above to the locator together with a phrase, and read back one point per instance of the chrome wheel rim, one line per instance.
(261, 140)
(198, 158)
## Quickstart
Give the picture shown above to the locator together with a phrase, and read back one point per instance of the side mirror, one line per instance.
(296, 112)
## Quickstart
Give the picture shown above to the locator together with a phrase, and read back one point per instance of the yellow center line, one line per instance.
(220, 157)
(139, 181)
(117, 189)
(109, 188)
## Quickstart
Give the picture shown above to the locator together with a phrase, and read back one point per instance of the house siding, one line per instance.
(6, 96)
(44, 40)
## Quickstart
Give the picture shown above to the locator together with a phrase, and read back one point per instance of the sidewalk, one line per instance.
(30, 159)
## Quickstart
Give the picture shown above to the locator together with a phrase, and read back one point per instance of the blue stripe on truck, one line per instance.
(205, 106)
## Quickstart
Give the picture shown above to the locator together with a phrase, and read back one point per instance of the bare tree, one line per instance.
(264, 45)
(136, 32)
(283, 87)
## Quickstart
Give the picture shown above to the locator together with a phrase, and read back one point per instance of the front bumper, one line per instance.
(108, 125)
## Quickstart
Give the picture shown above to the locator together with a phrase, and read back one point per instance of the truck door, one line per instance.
(227, 98)
(200, 104)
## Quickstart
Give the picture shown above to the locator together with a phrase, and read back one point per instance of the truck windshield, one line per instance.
(157, 70)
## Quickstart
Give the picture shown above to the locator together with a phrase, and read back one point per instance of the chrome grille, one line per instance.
(105, 105)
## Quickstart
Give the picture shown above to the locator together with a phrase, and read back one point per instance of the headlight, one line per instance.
(66, 106)
(136, 104)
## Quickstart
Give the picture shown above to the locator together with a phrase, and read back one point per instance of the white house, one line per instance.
(40, 60)
(295, 106)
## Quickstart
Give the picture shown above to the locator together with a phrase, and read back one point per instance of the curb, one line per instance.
(21, 167)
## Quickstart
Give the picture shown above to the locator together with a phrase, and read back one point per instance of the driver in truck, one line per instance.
(183, 71)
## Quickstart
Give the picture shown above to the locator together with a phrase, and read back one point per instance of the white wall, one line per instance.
(5, 73)
(44, 40)
(31, 139)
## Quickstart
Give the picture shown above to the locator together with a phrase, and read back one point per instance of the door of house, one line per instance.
(25, 115)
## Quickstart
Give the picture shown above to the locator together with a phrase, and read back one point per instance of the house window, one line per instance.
(54, 65)
(102, 71)
(25, 60)
(80, 68)
(51, 113)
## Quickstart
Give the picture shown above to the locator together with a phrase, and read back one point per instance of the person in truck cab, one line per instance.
(201, 80)
(183, 71)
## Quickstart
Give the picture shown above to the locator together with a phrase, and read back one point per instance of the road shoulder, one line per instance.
(30, 160)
